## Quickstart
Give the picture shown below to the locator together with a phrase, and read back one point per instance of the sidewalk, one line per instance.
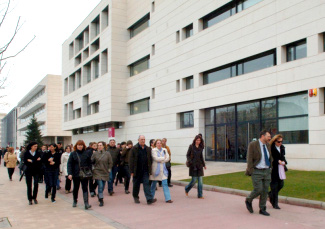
(14, 206)
(180, 172)
(217, 210)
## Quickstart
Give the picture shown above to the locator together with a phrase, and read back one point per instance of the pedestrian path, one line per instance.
(217, 210)
(14, 206)
(180, 172)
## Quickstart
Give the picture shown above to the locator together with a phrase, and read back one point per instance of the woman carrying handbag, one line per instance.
(279, 165)
(79, 171)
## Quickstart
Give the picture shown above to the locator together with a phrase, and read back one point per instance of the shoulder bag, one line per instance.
(84, 172)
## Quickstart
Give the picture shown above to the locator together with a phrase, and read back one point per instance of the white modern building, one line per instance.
(44, 102)
(2, 115)
(226, 69)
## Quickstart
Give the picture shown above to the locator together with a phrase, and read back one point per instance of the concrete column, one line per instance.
(314, 44)
(281, 55)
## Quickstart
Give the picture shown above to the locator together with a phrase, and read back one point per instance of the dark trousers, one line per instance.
(52, 176)
(112, 176)
(92, 186)
(169, 175)
(261, 181)
(141, 178)
(84, 186)
(29, 179)
(10, 172)
(276, 186)
(41, 175)
(67, 184)
(125, 171)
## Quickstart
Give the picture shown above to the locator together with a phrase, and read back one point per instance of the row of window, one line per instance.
(87, 109)
(90, 71)
(29, 102)
(89, 33)
(96, 128)
(295, 51)
(36, 113)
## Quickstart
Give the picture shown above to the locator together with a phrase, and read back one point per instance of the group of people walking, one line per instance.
(94, 166)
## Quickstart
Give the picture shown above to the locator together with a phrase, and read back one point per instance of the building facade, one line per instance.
(9, 129)
(2, 115)
(226, 69)
(44, 102)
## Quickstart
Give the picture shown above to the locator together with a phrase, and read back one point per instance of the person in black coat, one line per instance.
(52, 161)
(140, 163)
(80, 156)
(32, 159)
(278, 154)
(196, 163)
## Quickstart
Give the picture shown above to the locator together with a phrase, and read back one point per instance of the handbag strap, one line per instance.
(78, 160)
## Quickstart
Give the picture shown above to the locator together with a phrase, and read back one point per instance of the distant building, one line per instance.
(9, 129)
(226, 69)
(44, 101)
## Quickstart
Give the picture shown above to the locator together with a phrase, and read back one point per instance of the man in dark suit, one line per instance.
(259, 161)
(140, 168)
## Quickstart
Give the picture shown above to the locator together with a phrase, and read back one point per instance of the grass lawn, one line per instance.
(176, 164)
(299, 184)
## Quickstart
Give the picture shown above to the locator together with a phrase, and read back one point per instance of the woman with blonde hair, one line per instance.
(159, 171)
(277, 183)
(11, 160)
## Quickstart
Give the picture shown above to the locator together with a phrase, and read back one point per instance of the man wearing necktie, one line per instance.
(259, 161)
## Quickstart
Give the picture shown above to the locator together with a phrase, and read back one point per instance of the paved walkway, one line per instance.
(180, 172)
(217, 210)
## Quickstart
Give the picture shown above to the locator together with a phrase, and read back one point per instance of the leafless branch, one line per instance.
(4, 16)
(5, 58)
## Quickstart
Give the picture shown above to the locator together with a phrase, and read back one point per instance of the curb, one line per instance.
(282, 199)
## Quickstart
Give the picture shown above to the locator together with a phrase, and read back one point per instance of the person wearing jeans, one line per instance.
(102, 164)
(159, 171)
(196, 163)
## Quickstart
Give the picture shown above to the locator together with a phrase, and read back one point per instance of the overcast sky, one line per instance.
(52, 22)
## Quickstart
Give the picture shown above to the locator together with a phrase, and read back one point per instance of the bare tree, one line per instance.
(5, 47)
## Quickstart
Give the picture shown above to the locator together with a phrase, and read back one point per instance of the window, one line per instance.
(177, 37)
(77, 60)
(79, 43)
(188, 31)
(96, 107)
(153, 6)
(227, 11)
(104, 62)
(95, 27)
(153, 50)
(324, 42)
(66, 86)
(96, 67)
(139, 66)
(153, 93)
(178, 85)
(104, 18)
(251, 64)
(140, 25)
(187, 119)
(293, 118)
(296, 50)
(139, 106)
(189, 82)
(78, 75)
(94, 46)
(71, 49)
(77, 113)
(85, 54)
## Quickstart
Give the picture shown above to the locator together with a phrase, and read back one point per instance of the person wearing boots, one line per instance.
(278, 154)
(102, 164)
(79, 158)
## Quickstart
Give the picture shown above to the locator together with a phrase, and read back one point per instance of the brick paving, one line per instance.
(217, 210)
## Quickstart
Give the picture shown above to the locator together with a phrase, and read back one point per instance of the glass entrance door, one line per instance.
(247, 132)
(225, 148)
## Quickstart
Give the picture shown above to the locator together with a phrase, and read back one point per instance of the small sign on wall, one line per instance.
(111, 132)
(312, 92)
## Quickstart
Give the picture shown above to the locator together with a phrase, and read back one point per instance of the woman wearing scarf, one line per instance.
(159, 171)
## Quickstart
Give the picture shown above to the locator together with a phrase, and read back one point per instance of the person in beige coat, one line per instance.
(159, 171)
(64, 168)
(11, 161)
